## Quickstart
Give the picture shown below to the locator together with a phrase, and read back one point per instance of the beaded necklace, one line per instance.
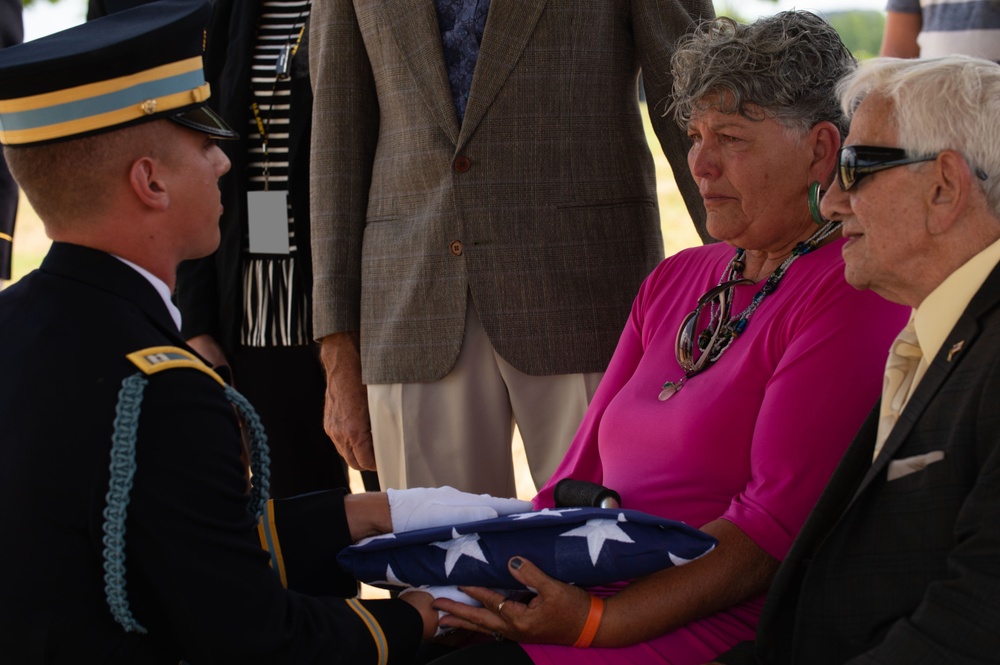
(719, 335)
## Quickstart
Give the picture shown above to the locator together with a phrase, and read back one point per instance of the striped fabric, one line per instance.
(585, 546)
(955, 26)
(276, 311)
(381, 644)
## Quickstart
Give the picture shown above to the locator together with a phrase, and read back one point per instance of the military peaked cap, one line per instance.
(129, 67)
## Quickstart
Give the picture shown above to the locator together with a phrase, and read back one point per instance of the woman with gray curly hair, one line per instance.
(729, 400)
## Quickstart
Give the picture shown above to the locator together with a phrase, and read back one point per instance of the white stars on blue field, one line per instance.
(585, 546)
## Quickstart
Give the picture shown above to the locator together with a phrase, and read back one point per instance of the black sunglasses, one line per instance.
(712, 341)
(858, 161)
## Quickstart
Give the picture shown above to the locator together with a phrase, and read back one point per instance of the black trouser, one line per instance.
(287, 387)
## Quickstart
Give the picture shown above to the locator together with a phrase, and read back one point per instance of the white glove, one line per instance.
(449, 592)
(426, 507)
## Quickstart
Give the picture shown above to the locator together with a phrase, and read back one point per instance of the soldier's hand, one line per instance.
(422, 600)
(425, 507)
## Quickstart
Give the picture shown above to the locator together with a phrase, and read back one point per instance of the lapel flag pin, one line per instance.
(955, 348)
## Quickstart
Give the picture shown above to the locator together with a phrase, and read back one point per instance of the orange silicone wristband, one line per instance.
(592, 624)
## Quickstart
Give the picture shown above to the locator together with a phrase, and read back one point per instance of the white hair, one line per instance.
(950, 103)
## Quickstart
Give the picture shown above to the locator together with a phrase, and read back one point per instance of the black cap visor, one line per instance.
(205, 120)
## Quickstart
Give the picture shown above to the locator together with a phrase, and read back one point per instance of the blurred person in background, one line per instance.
(933, 28)
(248, 305)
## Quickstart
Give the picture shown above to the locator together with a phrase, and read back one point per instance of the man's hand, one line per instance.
(345, 416)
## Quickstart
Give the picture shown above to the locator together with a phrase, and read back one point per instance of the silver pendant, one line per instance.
(670, 389)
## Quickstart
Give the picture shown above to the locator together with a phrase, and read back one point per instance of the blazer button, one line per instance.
(462, 164)
(456, 247)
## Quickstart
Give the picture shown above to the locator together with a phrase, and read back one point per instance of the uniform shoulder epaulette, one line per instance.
(122, 465)
(158, 358)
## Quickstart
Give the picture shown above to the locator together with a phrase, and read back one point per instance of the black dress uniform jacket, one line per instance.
(198, 577)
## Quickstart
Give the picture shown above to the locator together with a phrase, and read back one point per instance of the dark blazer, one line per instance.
(197, 576)
(542, 203)
(209, 291)
(11, 32)
(907, 570)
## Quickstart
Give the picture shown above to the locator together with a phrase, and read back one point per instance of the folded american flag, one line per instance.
(583, 546)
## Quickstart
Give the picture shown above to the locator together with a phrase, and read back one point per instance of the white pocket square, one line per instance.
(904, 467)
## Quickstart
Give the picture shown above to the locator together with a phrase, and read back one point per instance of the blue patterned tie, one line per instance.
(462, 23)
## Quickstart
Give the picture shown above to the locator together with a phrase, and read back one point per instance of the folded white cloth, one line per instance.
(426, 507)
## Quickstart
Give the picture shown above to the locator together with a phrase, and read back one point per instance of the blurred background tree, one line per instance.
(861, 30)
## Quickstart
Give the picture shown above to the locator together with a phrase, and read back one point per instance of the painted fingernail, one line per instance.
(516, 563)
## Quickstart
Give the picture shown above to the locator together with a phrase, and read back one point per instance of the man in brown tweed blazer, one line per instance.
(478, 241)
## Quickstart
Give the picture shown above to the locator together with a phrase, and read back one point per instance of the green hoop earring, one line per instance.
(814, 194)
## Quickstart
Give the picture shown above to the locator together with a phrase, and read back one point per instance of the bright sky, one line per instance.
(44, 17)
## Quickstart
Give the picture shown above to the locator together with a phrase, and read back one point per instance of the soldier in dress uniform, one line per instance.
(130, 534)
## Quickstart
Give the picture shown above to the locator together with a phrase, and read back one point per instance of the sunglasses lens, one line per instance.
(848, 171)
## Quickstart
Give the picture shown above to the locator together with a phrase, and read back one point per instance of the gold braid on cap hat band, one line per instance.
(104, 104)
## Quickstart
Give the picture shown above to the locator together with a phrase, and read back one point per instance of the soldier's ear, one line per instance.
(147, 184)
